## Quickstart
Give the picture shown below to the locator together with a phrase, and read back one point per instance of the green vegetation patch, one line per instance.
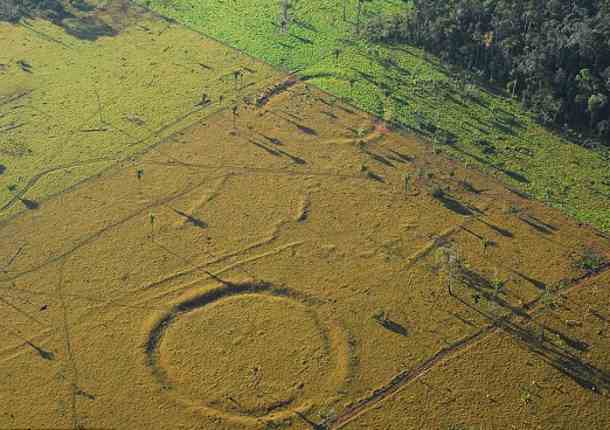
(70, 107)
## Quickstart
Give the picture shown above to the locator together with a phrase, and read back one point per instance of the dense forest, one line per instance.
(552, 54)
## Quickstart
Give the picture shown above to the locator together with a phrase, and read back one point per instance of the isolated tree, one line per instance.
(359, 7)
(284, 15)
(151, 218)
(594, 106)
(336, 53)
(238, 76)
(451, 263)
(234, 110)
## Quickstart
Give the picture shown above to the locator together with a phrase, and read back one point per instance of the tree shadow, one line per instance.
(501, 231)
(541, 228)
(272, 140)
(542, 223)
(304, 24)
(44, 354)
(469, 187)
(302, 39)
(379, 158)
(304, 129)
(191, 219)
(392, 326)
(583, 373)
(515, 175)
(536, 283)
(374, 176)
(404, 157)
(310, 423)
(482, 286)
(576, 344)
(277, 152)
(2, 169)
(454, 205)
(30, 204)
(270, 151)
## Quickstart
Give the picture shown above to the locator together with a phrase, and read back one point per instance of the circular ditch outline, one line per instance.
(335, 340)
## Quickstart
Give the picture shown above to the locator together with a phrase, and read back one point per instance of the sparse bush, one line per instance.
(526, 396)
(550, 298)
(498, 285)
(591, 261)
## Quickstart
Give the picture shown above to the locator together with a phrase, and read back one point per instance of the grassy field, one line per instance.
(407, 86)
(274, 257)
(539, 398)
(71, 107)
(275, 270)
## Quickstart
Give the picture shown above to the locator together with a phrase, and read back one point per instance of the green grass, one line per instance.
(490, 131)
(84, 105)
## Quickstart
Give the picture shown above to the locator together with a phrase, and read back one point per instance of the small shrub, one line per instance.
(590, 261)
(498, 285)
(549, 298)
(526, 396)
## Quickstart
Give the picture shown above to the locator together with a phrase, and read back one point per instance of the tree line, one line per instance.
(552, 54)
(15, 10)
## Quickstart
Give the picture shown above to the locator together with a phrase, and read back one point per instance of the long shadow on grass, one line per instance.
(585, 374)
(393, 326)
(454, 205)
(277, 152)
(537, 225)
